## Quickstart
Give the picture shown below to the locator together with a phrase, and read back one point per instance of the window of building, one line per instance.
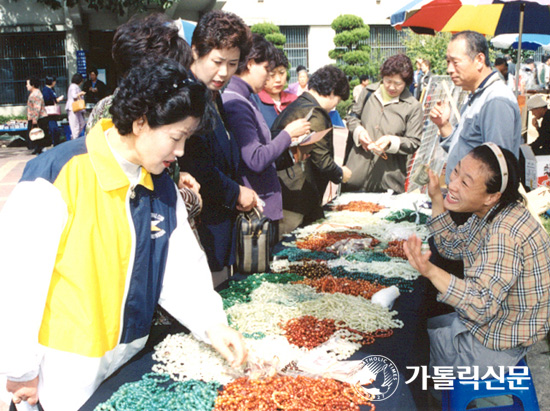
(26, 54)
(296, 48)
(385, 41)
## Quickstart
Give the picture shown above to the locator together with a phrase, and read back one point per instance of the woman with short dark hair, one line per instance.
(273, 99)
(258, 148)
(36, 116)
(502, 305)
(385, 127)
(51, 99)
(76, 120)
(327, 87)
(220, 41)
(111, 241)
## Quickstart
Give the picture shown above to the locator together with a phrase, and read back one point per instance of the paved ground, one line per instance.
(12, 163)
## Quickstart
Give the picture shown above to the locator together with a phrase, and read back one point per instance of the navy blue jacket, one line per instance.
(213, 159)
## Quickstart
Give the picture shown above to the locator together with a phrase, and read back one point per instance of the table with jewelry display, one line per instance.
(319, 328)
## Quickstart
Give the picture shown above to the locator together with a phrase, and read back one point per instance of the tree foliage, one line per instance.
(120, 7)
(433, 48)
(352, 55)
(271, 32)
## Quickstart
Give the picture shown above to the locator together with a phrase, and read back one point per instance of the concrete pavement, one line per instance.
(12, 163)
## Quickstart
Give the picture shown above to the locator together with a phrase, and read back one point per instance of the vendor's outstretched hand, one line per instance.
(419, 261)
(229, 343)
(434, 191)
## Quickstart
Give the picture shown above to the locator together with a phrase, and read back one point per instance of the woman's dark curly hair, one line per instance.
(398, 64)
(34, 81)
(261, 51)
(219, 29)
(77, 78)
(154, 35)
(161, 91)
(329, 79)
(49, 80)
(280, 59)
(493, 182)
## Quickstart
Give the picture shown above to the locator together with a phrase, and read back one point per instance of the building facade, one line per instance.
(36, 40)
(307, 25)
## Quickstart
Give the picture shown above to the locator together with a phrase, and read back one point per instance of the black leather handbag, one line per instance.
(253, 242)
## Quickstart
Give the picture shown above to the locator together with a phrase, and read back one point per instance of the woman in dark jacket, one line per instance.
(220, 41)
(51, 99)
(327, 87)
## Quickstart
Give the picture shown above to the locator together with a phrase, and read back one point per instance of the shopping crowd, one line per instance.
(141, 210)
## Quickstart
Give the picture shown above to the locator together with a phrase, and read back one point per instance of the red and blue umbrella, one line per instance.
(484, 16)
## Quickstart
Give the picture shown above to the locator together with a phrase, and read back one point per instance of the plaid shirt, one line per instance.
(504, 297)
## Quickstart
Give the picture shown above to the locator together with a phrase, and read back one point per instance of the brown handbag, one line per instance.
(78, 105)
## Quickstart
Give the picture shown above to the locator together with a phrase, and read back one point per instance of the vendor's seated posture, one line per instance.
(94, 236)
(502, 305)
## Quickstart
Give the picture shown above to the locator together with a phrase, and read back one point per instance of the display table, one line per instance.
(407, 347)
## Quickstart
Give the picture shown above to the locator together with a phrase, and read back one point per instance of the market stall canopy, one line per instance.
(186, 29)
(528, 41)
(484, 16)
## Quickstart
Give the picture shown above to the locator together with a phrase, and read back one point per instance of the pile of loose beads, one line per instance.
(377, 227)
(239, 291)
(158, 392)
(367, 256)
(297, 254)
(320, 241)
(284, 294)
(264, 314)
(331, 284)
(256, 317)
(395, 249)
(311, 269)
(270, 305)
(351, 311)
(308, 331)
(408, 215)
(363, 206)
(405, 286)
(183, 357)
(397, 267)
(291, 394)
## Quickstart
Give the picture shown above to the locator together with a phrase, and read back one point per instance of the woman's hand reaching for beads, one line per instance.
(229, 343)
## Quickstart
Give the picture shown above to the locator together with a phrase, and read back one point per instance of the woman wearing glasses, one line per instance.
(385, 126)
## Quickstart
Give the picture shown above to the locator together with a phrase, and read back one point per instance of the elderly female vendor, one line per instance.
(502, 306)
(110, 240)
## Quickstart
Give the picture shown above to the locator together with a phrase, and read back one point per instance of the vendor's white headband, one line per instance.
(502, 164)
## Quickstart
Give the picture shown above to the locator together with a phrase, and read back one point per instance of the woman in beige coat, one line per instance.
(385, 126)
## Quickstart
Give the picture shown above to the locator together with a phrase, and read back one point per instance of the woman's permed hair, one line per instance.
(77, 78)
(219, 29)
(280, 59)
(34, 81)
(398, 64)
(154, 35)
(329, 79)
(160, 90)
(261, 51)
(494, 181)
